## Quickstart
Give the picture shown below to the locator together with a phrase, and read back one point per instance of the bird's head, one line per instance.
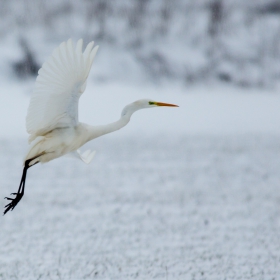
(142, 104)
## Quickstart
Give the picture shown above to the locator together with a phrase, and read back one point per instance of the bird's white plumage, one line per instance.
(58, 87)
(86, 156)
(52, 118)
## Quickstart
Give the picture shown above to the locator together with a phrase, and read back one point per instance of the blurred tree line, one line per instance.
(234, 41)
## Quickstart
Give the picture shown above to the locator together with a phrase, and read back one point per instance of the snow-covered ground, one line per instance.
(180, 193)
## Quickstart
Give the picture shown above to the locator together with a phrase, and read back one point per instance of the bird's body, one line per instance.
(57, 143)
(52, 118)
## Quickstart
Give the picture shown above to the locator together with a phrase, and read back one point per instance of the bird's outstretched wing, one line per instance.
(58, 87)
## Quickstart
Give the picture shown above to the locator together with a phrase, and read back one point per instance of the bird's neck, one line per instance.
(97, 131)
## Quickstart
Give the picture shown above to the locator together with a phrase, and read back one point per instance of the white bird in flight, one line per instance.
(52, 117)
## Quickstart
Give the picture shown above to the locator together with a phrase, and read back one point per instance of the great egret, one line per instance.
(52, 117)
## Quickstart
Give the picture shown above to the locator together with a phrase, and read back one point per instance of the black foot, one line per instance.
(18, 196)
(13, 203)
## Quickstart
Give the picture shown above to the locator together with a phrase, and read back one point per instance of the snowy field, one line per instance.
(180, 193)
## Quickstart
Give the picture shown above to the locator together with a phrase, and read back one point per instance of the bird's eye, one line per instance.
(151, 103)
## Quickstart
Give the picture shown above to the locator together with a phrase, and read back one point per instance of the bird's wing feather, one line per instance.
(58, 87)
(86, 156)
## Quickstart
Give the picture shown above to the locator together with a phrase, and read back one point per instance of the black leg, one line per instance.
(20, 192)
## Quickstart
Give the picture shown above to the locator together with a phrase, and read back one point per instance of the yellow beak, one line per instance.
(165, 104)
